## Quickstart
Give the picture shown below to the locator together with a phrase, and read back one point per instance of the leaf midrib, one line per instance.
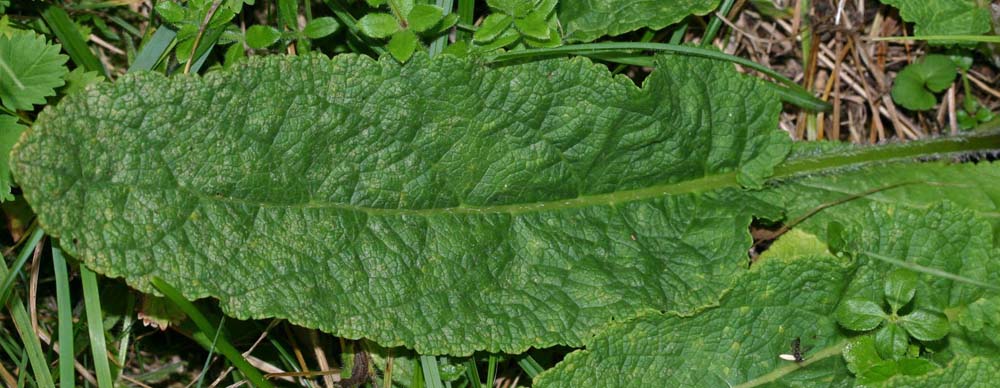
(937, 147)
(607, 199)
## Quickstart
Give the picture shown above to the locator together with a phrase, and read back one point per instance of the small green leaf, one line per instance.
(962, 59)
(447, 22)
(378, 25)
(424, 16)
(231, 35)
(938, 71)
(915, 366)
(970, 105)
(984, 114)
(320, 27)
(554, 40)
(10, 131)
(533, 25)
(925, 325)
(878, 373)
(376, 3)
(914, 86)
(405, 6)
(508, 37)
(965, 120)
(908, 90)
(859, 314)
(402, 45)
(459, 49)
(220, 19)
(233, 55)
(900, 286)
(885, 370)
(183, 49)
(891, 341)
(860, 353)
(259, 36)
(492, 27)
(515, 8)
(80, 78)
(187, 32)
(545, 7)
(171, 12)
(30, 70)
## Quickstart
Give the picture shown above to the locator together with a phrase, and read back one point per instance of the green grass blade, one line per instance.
(223, 345)
(432, 375)
(466, 10)
(154, 50)
(65, 319)
(75, 44)
(677, 36)
(211, 352)
(10, 275)
(36, 357)
(530, 366)
(472, 373)
(438, 44)
(491, 370)
(11, 348)
(799, 99)
(588, 49)
(196, 66)
(417, 376)
(95, 327)
(286, 358)
(716, 23)
(128, 27)
(22, 377)
(205, 47)
(626, 58)
(123, 339)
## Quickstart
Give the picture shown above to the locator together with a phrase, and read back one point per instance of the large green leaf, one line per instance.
(442, 204)
(944, 237)
(945, 17)
(738, 342)
(784, 298)
(586, 20)
(451, 207)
